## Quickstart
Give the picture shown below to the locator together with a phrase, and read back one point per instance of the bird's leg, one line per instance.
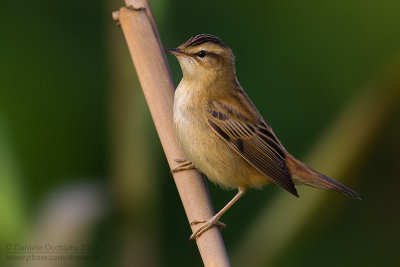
(183, 165)
(215, 219)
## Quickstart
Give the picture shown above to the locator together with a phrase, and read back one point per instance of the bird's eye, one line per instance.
(202, 53)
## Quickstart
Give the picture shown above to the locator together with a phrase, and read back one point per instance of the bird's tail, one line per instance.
(302, 174)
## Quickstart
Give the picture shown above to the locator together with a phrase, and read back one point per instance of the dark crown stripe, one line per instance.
(204, 38)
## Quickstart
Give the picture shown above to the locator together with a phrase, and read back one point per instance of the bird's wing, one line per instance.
(254, 141)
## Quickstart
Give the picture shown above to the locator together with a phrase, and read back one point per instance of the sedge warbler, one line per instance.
(223, 134)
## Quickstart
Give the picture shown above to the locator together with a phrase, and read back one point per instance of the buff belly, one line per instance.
(212, 156)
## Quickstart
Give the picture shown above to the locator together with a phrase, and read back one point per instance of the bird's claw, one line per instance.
(206, 226)
(183, 165)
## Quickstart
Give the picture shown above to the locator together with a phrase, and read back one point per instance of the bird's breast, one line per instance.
(210, 153)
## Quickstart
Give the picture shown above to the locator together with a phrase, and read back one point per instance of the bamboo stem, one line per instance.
(131, 160)
(144, 44)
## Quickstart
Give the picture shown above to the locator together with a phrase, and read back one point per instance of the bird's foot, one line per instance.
(214, 221)
(183, 165)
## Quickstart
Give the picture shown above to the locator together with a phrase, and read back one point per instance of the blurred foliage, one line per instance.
(12, 206)
(301, 62)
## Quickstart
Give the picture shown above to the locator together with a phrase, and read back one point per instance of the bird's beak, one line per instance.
(174, 51)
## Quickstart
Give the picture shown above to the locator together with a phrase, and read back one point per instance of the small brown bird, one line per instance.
(224, 135)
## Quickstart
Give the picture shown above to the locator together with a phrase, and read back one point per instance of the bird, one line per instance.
(223, 134)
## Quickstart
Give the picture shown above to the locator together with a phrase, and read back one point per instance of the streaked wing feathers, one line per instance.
(256, 144)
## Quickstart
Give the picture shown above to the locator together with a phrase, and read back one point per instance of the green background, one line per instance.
(74, 124)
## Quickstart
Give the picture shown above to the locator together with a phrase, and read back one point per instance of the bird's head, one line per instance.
(203, 56)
